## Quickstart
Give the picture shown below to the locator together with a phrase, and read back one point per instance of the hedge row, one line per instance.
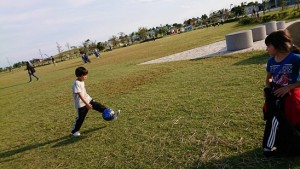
(267, 18)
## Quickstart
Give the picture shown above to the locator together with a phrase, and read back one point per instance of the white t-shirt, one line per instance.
(78, 87)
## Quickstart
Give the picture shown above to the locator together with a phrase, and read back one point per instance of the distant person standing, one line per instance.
(31, 71)
(85, 57)
(253, 12)
(53, 60)
(97, 53)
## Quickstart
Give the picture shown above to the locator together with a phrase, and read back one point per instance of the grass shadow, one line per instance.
(256, 59)
(72, 140)
(69, 140)
(252, 159)
(66, 140)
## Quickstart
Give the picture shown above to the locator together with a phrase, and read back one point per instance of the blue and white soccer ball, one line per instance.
(109, 114)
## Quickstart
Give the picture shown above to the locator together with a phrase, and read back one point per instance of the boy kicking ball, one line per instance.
(83, 102)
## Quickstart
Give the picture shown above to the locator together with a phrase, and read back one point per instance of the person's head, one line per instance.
(28, 64)
(81, 73)
(279, 42)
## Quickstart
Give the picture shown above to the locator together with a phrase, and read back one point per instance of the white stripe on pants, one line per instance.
(272, 135)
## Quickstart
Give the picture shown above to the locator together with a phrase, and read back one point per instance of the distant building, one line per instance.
(249, 9)
(276, 3)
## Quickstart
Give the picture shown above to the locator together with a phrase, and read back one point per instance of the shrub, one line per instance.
(247, 20)
(294, 14)
(282, 15)
(274, 16)
(231, 20)
(266, 18)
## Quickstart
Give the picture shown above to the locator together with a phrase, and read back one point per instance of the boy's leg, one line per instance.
(98, 106)
(79, 120)
(30, 79)
(35, 76)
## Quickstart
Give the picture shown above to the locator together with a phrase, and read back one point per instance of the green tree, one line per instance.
(86, 43)
(88, 46)
(297, 2)
(114, 40)
(204, 17)
(283, 4)
(143, 33)
(17, 65)
(176, 25)
(123, 38)
(238, 10)
(264, 5)
(131, 36)
(162, 31)
(101, 46)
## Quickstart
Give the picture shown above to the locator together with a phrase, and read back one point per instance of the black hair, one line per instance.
(81, 71)
(281, 40)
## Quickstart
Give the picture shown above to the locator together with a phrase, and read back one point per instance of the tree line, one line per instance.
(144, 34)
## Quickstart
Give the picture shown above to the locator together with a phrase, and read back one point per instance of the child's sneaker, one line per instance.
(76, 134)
(271, 152)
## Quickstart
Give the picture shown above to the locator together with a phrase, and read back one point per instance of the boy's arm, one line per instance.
(88, 105)
(268, 79)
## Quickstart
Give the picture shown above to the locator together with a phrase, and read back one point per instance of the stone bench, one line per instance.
(239, 40)
(271, 27)
(280, 25)
(259, 33)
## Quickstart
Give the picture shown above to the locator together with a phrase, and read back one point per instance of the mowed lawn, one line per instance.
(204, 113)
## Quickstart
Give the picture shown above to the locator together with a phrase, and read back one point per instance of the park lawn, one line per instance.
(202, 113)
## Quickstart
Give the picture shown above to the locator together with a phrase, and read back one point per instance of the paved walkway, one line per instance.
(214, 49)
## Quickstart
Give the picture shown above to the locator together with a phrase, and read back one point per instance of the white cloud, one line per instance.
(148, 1)
(143, 1)
(25, 16)
(79, 3)
(17, 4)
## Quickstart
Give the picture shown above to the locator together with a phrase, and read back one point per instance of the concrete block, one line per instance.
(259, 33)
(280, 25)
(239, 40)
(271, 27)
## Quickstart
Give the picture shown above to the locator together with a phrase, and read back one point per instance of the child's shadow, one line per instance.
(63, 141)
(71, 140)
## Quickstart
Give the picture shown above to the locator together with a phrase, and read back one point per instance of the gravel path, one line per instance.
(214, 49)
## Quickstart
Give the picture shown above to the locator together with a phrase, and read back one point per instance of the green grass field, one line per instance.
(203, 113)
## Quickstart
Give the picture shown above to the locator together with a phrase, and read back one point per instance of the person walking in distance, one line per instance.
(31, 71)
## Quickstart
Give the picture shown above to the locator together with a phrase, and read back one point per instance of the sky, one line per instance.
(30, 26)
